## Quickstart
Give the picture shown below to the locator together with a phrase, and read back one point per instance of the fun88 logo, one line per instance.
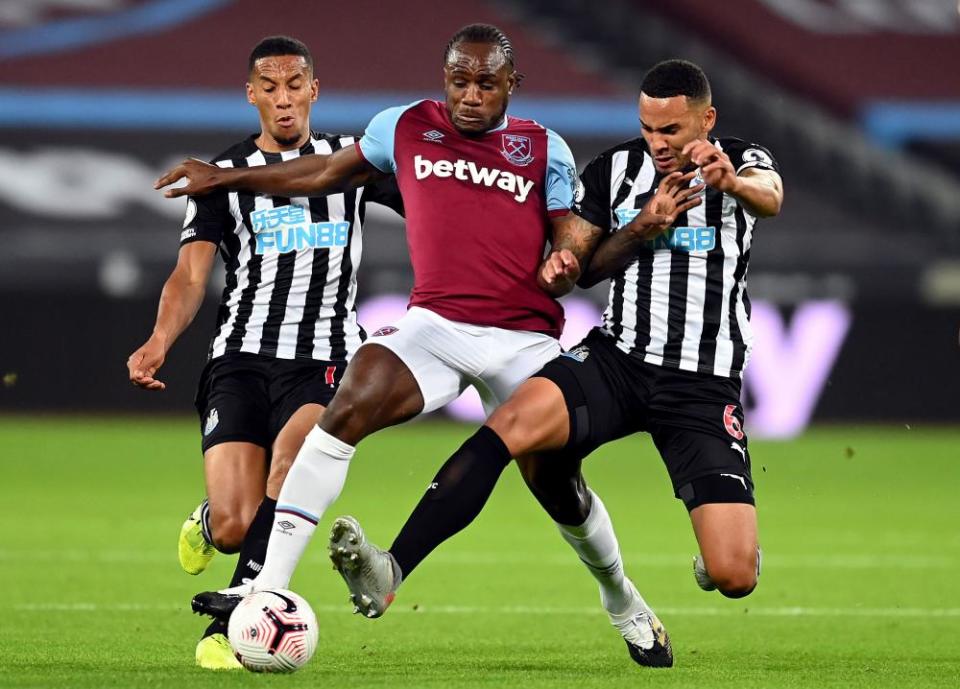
(285, 229)
(686, 239)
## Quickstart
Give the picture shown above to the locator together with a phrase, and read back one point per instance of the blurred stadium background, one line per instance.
(856, 285)
(856, 293)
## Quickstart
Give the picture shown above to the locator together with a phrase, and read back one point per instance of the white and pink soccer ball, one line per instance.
(273, 631)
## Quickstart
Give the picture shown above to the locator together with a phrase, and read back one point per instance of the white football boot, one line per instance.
(645, 636)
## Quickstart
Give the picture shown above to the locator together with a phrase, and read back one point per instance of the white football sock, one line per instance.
(313, 483)
(596, 544)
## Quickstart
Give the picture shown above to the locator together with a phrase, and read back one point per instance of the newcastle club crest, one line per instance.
(517, 149)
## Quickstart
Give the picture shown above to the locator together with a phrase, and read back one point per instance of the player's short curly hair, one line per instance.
(274, 46)
(676, 78)
(483, 33)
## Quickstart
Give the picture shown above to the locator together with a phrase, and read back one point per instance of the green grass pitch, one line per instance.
(859, 589)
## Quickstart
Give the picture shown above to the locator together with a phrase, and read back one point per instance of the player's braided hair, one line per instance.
(676, 78)
(275, 46)
(484, 33)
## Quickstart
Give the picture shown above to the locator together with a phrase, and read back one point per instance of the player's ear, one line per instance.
(251, 98)
(314, 90)
(512, 82)
(709, 119)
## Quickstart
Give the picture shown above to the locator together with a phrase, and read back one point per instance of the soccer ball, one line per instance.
(273, 631)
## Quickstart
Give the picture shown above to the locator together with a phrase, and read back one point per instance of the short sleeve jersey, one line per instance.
(291, 263)
(682, 302)
(477, 210)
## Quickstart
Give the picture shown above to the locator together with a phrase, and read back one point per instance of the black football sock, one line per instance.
(454, 499)
(254, 548)
(216, 627)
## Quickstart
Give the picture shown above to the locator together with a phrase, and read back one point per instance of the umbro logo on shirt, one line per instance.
(433, 135)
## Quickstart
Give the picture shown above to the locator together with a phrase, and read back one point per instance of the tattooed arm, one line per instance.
(672, 197)
(574, 240)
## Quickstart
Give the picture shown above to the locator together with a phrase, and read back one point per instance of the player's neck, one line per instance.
(268, 144)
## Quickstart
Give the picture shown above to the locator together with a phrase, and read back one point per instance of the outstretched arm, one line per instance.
(181, 298)
(310, 175)
(672, 197)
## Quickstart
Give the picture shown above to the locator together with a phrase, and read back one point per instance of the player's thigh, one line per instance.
(704, 467)
(299, 393)
(533, 419)
(711, 475)
(233, 403)
(529, 414)
(575, 403)
(235, 474)
(727, 536)
(396, 374)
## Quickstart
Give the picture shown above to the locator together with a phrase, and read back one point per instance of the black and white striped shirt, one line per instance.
(291, 263)
(683, 302)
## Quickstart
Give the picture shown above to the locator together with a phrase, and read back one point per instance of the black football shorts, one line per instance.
(249, 398)
(695, 419)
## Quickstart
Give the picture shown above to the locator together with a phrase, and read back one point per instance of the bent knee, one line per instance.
(339, 413)
(504, 419)
(734, 579)
(734, 574)
(508, 422)
(229, 530)
(737, 587)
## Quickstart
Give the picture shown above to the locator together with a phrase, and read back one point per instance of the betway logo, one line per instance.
(468, 171)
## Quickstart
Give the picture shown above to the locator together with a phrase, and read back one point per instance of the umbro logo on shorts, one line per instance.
(384, 331)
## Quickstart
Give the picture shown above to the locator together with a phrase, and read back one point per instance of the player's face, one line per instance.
(669, 124)
(478, 82)
(283, 89)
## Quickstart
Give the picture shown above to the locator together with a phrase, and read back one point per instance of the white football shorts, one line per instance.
(446, 356)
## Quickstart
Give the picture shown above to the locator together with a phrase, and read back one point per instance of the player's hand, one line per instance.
(559, 272)
(672, 197)
(715, 166)
(202, 178)
(144, 363)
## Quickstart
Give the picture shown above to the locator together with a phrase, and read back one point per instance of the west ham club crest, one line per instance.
(517, 149)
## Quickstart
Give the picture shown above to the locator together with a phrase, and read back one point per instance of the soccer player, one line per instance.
(667, 360)
(286, 325)
(483, 193)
